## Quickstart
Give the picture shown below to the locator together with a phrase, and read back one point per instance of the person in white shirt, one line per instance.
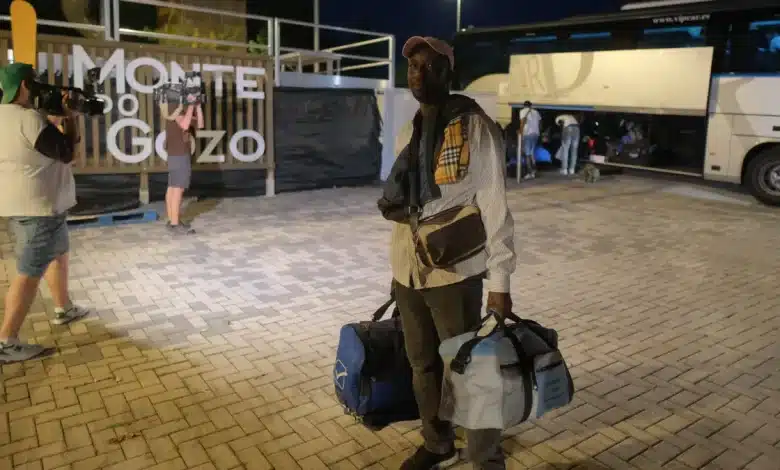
(527, 138)
(570, 142)
(38, 189)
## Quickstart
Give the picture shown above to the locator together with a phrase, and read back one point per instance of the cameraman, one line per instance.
(179, 132)
(38, 189)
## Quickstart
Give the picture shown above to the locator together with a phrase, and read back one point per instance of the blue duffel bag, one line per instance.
(372, 375)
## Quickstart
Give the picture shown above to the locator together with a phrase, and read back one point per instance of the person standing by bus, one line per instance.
(527, 138)
(570, 142)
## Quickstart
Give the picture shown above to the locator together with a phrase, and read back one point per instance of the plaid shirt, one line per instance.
(469, 169)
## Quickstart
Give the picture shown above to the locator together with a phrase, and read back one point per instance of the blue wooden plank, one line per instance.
(121, 218)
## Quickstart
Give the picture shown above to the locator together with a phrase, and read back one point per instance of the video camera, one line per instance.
(190, 91)
(48, 98)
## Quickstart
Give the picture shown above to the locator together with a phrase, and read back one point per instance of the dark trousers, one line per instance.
(429, 316)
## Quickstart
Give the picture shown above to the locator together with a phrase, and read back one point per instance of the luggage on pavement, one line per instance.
(372, 375)
(507, 372)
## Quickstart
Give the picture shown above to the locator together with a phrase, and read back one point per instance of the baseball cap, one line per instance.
(11, 78)
(436, 44)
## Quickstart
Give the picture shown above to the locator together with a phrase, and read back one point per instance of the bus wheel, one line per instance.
(763, 176)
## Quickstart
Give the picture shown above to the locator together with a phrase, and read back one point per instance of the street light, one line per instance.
(317, 33)
(458, 13)
(316, 25)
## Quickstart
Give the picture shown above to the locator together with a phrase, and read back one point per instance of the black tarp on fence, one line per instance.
(326, 137)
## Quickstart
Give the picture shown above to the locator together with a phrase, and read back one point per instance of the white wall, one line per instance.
(398, 106)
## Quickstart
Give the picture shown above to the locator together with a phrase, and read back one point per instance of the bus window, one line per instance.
(542, 44)
(765, 38)
(574, 42)
(768, 34)
(719, 38)
(589, 42)
(756, 47)
(683, 36)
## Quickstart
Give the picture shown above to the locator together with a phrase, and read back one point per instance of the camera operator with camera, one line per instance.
(179, 133)
(181, 107)
(38, 190)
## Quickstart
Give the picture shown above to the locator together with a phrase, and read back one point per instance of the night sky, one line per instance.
(402, 18)
(406, 18)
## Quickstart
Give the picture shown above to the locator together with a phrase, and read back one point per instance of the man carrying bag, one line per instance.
(446, 195)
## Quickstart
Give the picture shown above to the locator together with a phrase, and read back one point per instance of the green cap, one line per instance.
(11, 78)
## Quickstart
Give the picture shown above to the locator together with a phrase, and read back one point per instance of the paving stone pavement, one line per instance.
(215, 351)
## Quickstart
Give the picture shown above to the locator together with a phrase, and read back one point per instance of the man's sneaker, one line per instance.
(72, 314)
(15, 351)
(572, 172)
(424, 459)
(181, 229)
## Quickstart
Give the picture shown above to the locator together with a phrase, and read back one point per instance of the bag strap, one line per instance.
(526, 369)
(380, 312)
(525, 362)
(414, 210)
(463, 356)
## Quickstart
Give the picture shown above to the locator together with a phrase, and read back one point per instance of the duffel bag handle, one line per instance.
(463, 356)
(548, 336)
(380, 312)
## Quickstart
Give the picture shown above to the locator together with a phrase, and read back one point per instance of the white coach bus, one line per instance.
(683, 87)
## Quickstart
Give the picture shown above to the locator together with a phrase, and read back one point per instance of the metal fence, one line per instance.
(286, 58)
(331, 60)
(338, 59)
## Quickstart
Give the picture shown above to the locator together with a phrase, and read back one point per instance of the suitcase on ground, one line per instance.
(372, 375)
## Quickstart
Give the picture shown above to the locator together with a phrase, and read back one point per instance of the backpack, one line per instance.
(499, 376)
(372, 376)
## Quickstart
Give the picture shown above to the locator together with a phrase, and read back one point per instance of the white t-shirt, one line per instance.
(567, 119)
(33, 184)
(532, 121)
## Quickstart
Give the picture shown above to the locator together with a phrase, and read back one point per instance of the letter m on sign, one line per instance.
(82, 61)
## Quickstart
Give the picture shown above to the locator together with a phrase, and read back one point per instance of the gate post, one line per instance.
(143, 188)
(391, 68)
(277, 52)
(106, 20)
(270, 144)
(115, 15)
